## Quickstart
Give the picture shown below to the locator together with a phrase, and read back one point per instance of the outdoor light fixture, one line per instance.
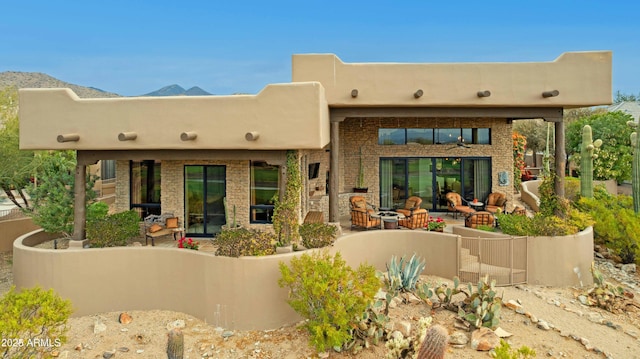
(188, 136)
(485, 93)
(418, 93)
(354, 93)
(68, 137)
(252, 136)
(553, 93)
(127, 136)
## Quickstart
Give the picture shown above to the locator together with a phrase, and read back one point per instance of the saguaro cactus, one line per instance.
(586, 161)
(635, 168)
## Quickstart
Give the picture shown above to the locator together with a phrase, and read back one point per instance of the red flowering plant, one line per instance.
(435, 224)
(188, 243)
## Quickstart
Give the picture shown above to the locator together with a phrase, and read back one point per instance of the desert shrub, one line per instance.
(571, 188)
(515, 225)
(32, 323)
(236, 242)
(97, 211)
(504, 351)
(330, 294)
(114, 230)
(317, 235)
(616, 225)
(486, 228)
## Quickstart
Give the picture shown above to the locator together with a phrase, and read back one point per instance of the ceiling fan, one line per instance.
(460, 143)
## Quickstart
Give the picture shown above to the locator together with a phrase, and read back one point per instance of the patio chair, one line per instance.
(411, 204)
(476, 219)
(494, 201)
(361, 213)
(417, 219)
(455, 204)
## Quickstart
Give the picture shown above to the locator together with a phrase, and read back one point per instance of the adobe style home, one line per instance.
(417, 129)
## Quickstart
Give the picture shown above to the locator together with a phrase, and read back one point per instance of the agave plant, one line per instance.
(402, 274)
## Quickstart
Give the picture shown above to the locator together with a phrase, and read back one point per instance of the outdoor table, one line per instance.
(388, 219)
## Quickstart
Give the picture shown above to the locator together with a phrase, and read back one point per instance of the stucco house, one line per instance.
(415, 129)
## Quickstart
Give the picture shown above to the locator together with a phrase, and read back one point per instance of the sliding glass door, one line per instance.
(205, 189)
(431, 178)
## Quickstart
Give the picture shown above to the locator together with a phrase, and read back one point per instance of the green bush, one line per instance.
(515, 225)
(317, 235)
(504, 351)
(616, 226)
(236, 242)
(330, 294)
(32, 323)
(97, 211)
(113, 230)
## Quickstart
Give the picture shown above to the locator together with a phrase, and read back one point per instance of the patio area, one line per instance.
(207, 245)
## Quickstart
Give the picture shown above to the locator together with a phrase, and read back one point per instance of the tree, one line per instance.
(16, 166)
(623, 97)
(53, 197)
(614, 156)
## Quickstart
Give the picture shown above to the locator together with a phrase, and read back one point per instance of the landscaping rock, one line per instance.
(628, 268)
(176, 324)
(99, 327)
(404, 327)
(458, 339)
(125, 318)
(484, 339)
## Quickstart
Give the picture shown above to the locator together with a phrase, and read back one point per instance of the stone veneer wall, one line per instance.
(172, 186)
(314, 191)
(356, 132)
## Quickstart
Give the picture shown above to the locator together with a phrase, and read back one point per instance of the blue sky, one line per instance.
(134, 47)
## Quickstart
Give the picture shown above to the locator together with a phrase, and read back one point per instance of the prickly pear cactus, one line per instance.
(586, 161)
(635, 168)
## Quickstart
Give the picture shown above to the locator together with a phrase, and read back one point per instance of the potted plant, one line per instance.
(286, 221)
(435, 224)
(360, 186)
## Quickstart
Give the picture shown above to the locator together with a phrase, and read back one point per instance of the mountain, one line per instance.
(177, 90)
(40, 80)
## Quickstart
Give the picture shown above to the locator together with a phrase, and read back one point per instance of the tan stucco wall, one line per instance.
(551, 260)
(285, 116)
(11, 229)
(144, 278)
(356, 133)
(583, 79)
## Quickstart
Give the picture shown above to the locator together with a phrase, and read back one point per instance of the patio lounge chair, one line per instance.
(361, 213)
(494, 201)
(480, 218)
(417, 219)
(455, 204)
(411, 204)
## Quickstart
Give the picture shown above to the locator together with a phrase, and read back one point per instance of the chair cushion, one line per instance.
(360, 204)
(172, 222)
(500, 201)
(409, 204)
(155, 228)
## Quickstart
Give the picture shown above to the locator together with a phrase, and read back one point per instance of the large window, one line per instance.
(145, 187)
(265, 182)
(431, 178)
(429, 136)
(107, 169)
